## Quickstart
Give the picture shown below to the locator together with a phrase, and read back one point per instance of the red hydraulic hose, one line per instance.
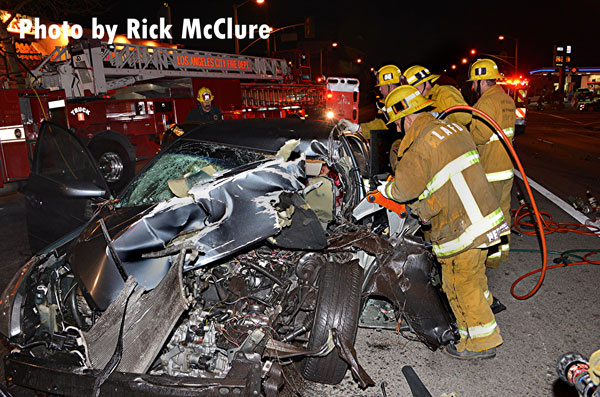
(538, 217)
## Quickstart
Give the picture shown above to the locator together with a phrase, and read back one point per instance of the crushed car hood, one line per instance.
(210, 220)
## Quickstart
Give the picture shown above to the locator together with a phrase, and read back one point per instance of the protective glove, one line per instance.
(348, 125)
(385, 188)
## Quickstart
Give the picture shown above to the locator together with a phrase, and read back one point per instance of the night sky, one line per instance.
(405, 32)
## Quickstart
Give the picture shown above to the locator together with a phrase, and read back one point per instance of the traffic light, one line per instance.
(309, 28)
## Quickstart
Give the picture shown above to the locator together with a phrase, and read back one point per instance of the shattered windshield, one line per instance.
(188, 157)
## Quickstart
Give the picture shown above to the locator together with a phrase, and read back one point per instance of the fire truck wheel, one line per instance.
(338, 306)
(114, 164)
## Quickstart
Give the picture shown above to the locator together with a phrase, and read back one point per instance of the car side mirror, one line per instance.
(81, 189)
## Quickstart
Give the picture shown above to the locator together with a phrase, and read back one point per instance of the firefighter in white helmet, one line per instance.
(443, 96)
(205, 112)
(496, 161)
(441, 175)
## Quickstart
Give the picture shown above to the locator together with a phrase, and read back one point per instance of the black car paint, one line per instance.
(131, 227)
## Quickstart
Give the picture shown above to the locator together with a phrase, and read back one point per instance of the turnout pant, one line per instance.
(499, 253)
(465, 285)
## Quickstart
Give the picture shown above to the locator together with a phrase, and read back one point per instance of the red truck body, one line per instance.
(120, 108)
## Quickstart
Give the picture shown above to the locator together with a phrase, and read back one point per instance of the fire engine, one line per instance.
(120, 98)
(516, 88)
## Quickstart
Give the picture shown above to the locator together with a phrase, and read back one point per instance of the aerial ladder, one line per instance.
(93, 67)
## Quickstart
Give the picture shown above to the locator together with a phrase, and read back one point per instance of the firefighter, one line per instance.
(443, 96)
(389, 77)
(205, 112)
(496, 161)
(440, 170)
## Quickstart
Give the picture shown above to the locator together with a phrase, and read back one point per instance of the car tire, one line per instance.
(338, 306)
(114, 163)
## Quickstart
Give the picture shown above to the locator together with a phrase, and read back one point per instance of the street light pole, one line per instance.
(235, 21)
(270, 33)
(516, 50)
(496, 57)
(516, 56)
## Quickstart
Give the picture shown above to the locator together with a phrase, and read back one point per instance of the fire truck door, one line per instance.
(63, 186)
(13, 146)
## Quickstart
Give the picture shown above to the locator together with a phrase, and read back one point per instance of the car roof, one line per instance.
(266, 135)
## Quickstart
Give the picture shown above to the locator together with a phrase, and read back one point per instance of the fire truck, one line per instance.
(120, 98)
(516, 88)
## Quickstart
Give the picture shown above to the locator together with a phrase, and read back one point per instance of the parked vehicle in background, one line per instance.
(119, 99)
(516, 88)
(585, 100)
(342, 98)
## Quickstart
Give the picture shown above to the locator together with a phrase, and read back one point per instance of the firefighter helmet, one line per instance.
(416, 75)
(388, 74)
(204, 95)
(403, 101)
(484, 69)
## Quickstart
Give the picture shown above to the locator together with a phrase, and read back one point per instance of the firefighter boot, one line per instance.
(452, 351)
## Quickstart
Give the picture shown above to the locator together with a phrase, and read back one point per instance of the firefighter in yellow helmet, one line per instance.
(388, 78)
(443, 96)
(496, 161)
(441, 172)
(205, 112)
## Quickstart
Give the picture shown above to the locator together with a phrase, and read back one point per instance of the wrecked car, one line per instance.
(243, 247)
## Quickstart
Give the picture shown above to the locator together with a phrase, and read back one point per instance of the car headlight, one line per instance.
(12, 299)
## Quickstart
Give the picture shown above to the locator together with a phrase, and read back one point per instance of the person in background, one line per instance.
(205, 112)
(496, 161)
(443, 96)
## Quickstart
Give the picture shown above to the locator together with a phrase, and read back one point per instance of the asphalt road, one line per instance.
(563, 316)
(561, 151)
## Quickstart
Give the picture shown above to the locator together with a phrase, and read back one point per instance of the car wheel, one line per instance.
(114, 164)
(338, 306)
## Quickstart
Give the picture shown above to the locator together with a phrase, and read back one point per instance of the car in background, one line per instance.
(236, 251)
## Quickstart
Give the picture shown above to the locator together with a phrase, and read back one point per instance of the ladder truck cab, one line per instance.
(516, 88)
(120, 98)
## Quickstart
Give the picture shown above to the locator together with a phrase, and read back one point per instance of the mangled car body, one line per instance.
(231, 255)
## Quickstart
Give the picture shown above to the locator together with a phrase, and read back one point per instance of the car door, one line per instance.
(63, 187)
